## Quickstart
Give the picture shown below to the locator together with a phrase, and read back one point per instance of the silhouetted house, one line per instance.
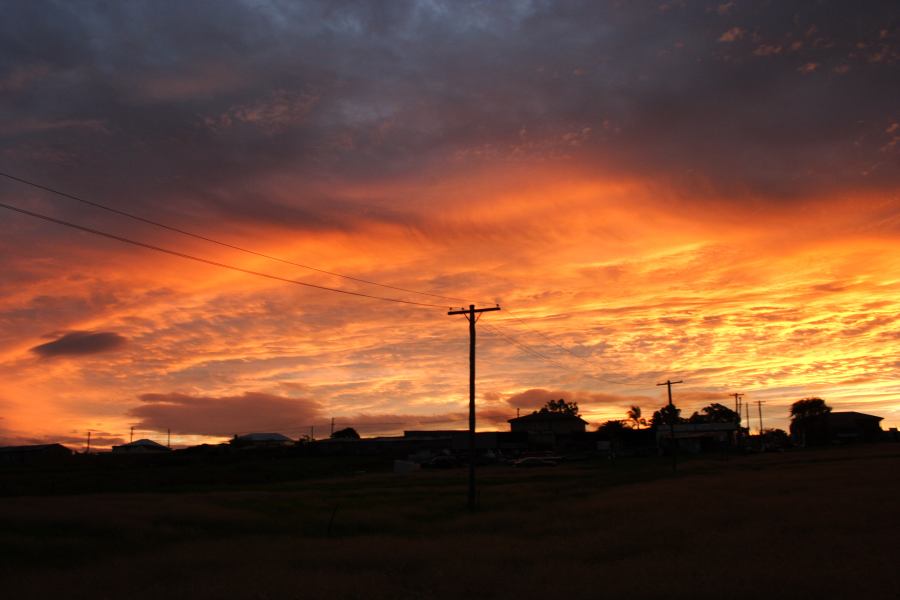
(39, 454)
(837, 428)
(458, 439)
(626, 442)
(697, 437)
(261, 440)
(546, 428)
(142, 446)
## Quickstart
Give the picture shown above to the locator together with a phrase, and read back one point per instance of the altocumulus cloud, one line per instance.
(79, 343)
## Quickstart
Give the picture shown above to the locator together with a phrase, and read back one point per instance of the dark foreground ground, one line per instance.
(811, 524)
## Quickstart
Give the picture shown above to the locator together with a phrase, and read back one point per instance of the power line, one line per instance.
(212, 262)
(271, 257)
(548, 338)
(530, 350)
(198, 236)
(218, 242)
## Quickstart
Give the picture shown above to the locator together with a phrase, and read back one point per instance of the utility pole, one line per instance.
(737, 409)
(131, 438)
(472, 315)
(168, 437)
(332, 426)
(669, 383)
(737, 404)
(312, 432)
(759, 404)
(747, 412)
(517, 412)
(88, 451)
(762, 444)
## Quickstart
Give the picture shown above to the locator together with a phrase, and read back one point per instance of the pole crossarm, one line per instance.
(472, 310)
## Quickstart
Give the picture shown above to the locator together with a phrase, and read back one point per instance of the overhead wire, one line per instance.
(215, 241)
(273, 258)
(212, 262)
(533, 352)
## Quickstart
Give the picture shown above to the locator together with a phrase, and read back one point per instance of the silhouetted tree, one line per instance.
(348, 433)
(714, 413)
(614, 432)
(666, 415)
(804, 414)
(776, 438)
(561, 407)
(808, 407)
(612, 429)
(634, 415)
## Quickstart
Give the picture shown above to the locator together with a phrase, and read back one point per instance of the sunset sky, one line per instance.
(689, 190)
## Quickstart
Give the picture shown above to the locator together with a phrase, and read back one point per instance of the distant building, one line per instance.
(838, 428)
(261, 440)
(142, 446)
(38, 454)
(458, 439)
(546, 428)
(697, 437)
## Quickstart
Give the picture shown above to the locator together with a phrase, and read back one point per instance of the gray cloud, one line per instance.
(206, 100)
(80, 343)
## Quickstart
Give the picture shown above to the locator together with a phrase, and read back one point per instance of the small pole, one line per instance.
(759, 404)
(131, 437)
(737, 410)
(88, 451)
(332, 427)
(168, 438)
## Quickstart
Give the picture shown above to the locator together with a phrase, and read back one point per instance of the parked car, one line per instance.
(441, 462)
(534, 461)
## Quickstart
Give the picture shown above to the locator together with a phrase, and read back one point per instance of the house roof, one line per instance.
(263, 437)
(143, 443)
(851, 415)
(544, 416)
(33, 448)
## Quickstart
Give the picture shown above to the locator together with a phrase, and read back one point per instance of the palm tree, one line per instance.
(634, 415)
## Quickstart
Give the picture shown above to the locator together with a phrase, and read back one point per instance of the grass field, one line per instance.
(811, 524)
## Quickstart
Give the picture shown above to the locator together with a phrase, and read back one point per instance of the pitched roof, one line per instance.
(263, 437)
(33, 448)
(142, 443)
(851, 415)
(546, 416)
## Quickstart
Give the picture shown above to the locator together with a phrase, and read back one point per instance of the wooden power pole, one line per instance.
(737, 404)
(472, 314)
(759, 404)
(669, 383)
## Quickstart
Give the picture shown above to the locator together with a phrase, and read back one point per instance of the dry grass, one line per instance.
(821, 524)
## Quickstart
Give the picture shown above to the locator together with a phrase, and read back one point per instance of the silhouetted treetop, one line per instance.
(634, 415)
(561, 407)
(808, 407)
(714, 413)
(665, 416)
(612, 428)
(348, 433)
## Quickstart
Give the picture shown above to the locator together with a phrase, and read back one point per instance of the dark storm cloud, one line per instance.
(204, 100)
(80, 343)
